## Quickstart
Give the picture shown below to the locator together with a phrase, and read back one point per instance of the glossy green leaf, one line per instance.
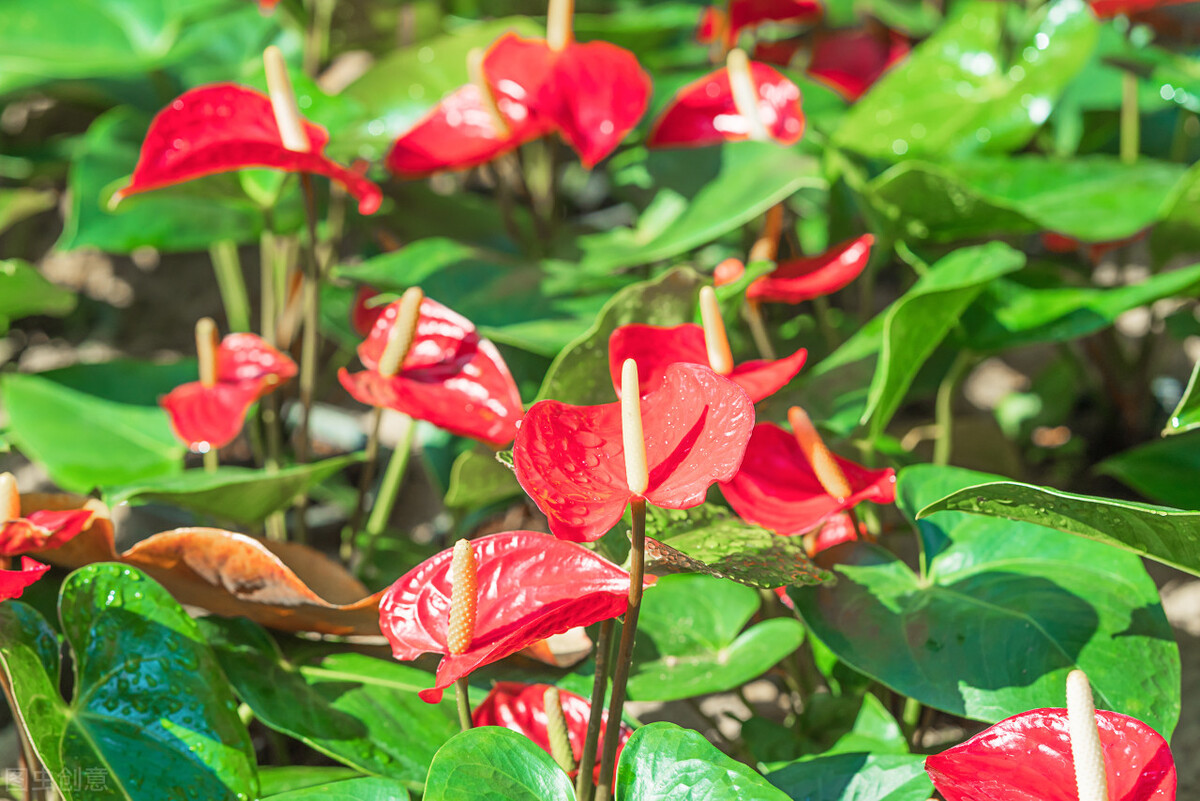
(237, 494)
(663, 760)
(703, 194)
(960, 92)
(1010, 314)
(151, 715)
(495, 764)
(690, 639)
(478, 479)
(285, 779)
(96, 424)
(855, 777)
(1157, 470)
(1000, 615)
(1186, 416)
(1094, 199)
(1156, 532)
(18, 204)
(580, 374)
(730, 547)
(362, 711)
(24, 292)
(365, 789)
(916, 324)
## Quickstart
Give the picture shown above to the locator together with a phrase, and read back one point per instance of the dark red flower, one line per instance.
(1106, 9)
(247, 368)
(1028, 758)
(592, 94)
(777, 487)
(850, 61)
(706, 112)
(225, 127)
(451, 376)
(570, 459)
(1061, 243)
(364, 313)
(38, 530)
(530, 586)
(14, 582)
(656, 348)
(834, 531)
(803, 279)
(744, 14)
(521, 707)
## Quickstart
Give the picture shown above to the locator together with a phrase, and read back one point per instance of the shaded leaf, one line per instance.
(1155, 470)
(21, 203)
(1186, 416)
(25, 292)
(855, 777)
(478, 479)
(366, 789)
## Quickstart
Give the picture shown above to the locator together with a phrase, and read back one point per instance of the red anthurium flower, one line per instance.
(1106, 9)
(39, 530)
(803, 279)
(779, 488)
(571, 460)
(14, 582)
(363, 312)
(529, 586)
(225, 127)
(522, 708)
(834, 531)
(1028, 757)
(745, 14)
(850, 61)
(450, 376)
(743, 100)
(1061, 243)
(209, 413)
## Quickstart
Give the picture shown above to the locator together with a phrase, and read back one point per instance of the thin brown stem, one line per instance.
(310, 342)
(364, 483)
(584, 789)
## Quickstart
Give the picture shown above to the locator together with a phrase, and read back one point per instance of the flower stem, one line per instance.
(943, 408)
(1130, 122)
(232, 284)
(612, 734)
(584, 789)
(464, 703)
(758, 330)
(211, 460)
(389, 489)
(309, 343)
(364, 484)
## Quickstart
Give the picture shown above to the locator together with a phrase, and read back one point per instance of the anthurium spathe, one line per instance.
(209, 413)
(790, 483)
(717, 24)
(14, 582)
(225, 127)
(850, 61)
(1037, 756)
(571, 459)
(798, 280)
(522, 708)
(655, 348)
(38, 530)
(449, 375)
(742, 100)
(1106, 9)
(529, 586)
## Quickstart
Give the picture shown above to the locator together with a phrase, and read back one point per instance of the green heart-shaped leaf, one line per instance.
(366, 789)
(495, 764)
(855, 777)
(1186, 416)
(24, 292)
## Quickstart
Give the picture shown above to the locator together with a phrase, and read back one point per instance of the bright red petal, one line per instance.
(444, 338)
(712, 20)
(750, 13)
(571, 462)
(835, 531)
(777, 489)
(780, 53)
(1028, 758)
(1106, 9)
(656, 348)
(522, 708)
(248, 358)
(362, 313)
(703, 112)
(226, 127)
(42, 530)
(804, 279)
(14, 582)
(208, 417)
(851, 61)
(531, 586)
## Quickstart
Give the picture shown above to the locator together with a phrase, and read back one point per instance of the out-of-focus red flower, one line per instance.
(1061, 243)
(1106, 9)
(530, 586)
(834, 531)
(208, 416)
(364, 313)
(712, 110)
(570, 459)
(797, 280)
(522, 708)
(225, 127)
(14, 582)
(778, 487)
(592, 94)
(656, 348)
(39, 530)
(744, 14)
(850, 61)
(451, 376)
(1028, 758)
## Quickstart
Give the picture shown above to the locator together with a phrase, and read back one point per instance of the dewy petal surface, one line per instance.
(797, 280)
(570, 459)
(703, 112)
(531, 586)
(14, 582)
(777, 489)
(224, 127)
(655, 348)
(1028, 758)
(522, 708)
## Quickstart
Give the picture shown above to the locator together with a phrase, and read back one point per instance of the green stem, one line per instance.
(584, 789)
(944, 411)
(364, 484)
(758, 330)
(232, 284)
(464, 703)
(1130, 123)
(825, 322)
(211, 460)
(389, 489)
(637, 569)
